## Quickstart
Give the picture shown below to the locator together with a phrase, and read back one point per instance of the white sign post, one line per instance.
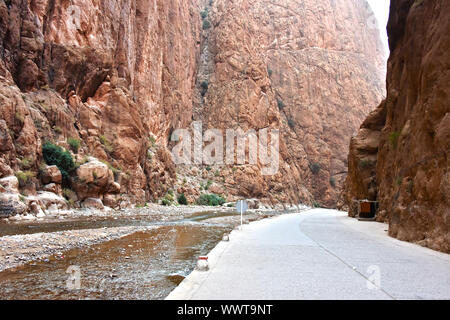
(242, 206)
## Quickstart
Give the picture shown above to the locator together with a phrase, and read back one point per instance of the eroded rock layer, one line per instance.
(401, 154)
(111, 80)
(115, 75)
(313, 69)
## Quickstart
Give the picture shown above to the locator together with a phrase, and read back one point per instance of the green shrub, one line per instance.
(168, 199)
(106, 144)
(366, 163)
(204, 85)
(83, 161)
(291, 123)
(24, 177)
(410, 186)
(71, 203)
(74, 144)
(58, 130)
(26, 163)
(204, 14)
(69, 194)
(111, 167)
(208, 184)
(206, 24)
(19, 118)
(393, 139)
(212, 200)
(56, 156)
(333, 182)
(280, 104)
(270, 72)
(38, 124)
(182, 200)
(208, 168)
(315, 167)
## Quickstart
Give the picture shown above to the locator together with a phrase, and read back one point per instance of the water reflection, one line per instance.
(144, 265)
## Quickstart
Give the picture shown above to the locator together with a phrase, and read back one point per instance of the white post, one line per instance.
(242, 207)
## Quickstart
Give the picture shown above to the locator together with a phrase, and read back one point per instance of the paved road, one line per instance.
(318, 254)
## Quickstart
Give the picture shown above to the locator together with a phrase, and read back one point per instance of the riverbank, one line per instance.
(24, 241)
(141, 253)
(18, 250)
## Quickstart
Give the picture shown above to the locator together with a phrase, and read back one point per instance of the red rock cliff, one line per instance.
(116, 75)
(314, 69)
(401, 154)
(120, 76)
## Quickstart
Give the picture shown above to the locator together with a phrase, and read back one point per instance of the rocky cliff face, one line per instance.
(118, 77)
(401, 154)
(314, 69)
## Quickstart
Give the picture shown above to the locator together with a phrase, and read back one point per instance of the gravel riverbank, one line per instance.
(82, 228)
(20, 249)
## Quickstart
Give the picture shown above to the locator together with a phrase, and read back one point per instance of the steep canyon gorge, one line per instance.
(400, 156)
(110, 81)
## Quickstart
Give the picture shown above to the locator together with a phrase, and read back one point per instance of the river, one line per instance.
(144, 265)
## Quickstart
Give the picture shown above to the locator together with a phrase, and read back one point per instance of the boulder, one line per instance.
(96, 172)
(253, 204)
(5, 169)
(114, 188)
(35, 208)
(93, 203)
(6, 143)
(10, 205)
(10, 183)
(47, 199)
(111, 200)
(93, 179)
(51, 174)
(54, 188)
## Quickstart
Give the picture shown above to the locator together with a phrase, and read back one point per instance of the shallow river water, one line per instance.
(143, 265)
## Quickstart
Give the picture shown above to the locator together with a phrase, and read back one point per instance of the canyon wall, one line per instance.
(313, 69)
(401, 155)
(115, 75)
(119, 77)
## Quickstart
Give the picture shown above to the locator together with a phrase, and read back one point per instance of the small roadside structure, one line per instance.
(366, 210)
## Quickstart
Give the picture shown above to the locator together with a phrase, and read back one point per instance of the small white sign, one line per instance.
(241, 206)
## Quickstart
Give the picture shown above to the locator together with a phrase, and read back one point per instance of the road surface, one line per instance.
(318, 254)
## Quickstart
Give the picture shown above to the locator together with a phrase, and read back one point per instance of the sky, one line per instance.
(381, 11)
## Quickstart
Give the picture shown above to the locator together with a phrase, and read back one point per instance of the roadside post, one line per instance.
(242, 206)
